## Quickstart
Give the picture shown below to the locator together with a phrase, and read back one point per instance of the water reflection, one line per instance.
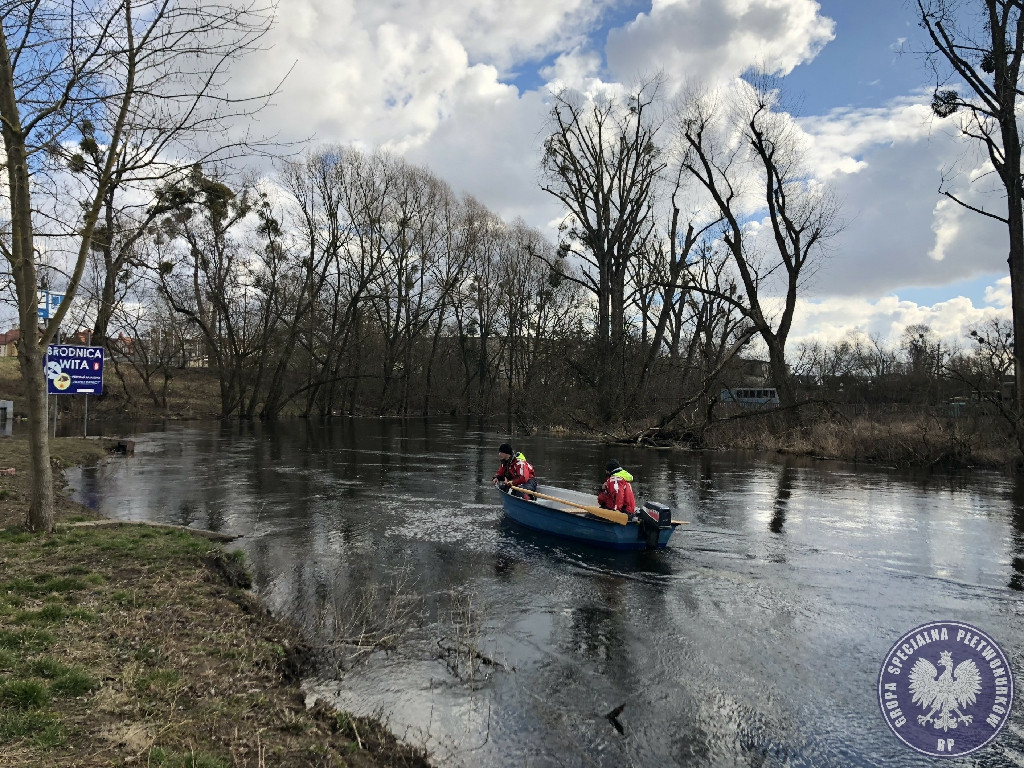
(754, 639)
(596, 631)
(782, 495)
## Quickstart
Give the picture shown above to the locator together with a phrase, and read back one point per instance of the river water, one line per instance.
(755, 639)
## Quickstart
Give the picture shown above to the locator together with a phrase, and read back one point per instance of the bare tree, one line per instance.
(601, 161)
(149, 346)
(980, 43)
(126, 66)
(480, 305)
(215, 278)
(319, 221)
(759, 176)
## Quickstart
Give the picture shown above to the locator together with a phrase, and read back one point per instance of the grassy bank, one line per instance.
(131, 645)
(192, 393)
(887, 438)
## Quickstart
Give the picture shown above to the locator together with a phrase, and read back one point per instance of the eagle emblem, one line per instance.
(946, 694)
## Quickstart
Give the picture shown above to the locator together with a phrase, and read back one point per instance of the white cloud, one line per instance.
(886, 165)
(575, 67)
(719, 39)
(831, 319)
(839, 140)
(999, 295)
(946, 226)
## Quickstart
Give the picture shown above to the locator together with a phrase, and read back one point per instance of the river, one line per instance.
(755, 639)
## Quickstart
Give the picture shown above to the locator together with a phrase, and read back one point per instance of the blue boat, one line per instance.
(564, 514)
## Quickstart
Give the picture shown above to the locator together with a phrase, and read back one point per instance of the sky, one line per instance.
(462, 87)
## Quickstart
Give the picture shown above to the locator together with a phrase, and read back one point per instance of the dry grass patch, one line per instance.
(894, 440)
(124, 647)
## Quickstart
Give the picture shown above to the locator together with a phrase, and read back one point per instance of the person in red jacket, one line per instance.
(617, 492)
(514, 470)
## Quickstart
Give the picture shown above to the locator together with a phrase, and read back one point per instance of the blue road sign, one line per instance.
(49, 303)
(73, 370)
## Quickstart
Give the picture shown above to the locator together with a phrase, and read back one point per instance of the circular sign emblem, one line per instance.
(62, 382)
(945, 689)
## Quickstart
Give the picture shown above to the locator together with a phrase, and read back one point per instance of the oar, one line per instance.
(608, 514)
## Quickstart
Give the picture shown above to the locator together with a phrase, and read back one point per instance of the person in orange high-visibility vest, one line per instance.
(617, 492)
(514, 470)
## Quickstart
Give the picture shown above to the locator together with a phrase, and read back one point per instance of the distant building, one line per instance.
(9, 343)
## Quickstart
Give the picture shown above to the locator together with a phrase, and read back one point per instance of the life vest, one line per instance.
(521, 470)
(517, 470)
(618, 493)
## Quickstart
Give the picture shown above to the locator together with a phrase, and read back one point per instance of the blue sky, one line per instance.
(863, 65)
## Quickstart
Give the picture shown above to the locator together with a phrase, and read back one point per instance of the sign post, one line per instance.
(73, 370)
(49, 303)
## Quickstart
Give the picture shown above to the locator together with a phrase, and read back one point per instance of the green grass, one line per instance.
(16, 536)
(62, 584)
(26, 640)
(48, 667)
(51, 736)
(24, 694)
(74, 682)
(43, 584)
(20, 587)
(16, 725)
(52, 613)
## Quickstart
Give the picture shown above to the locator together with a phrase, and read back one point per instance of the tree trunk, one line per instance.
(40, 512)
(1015, 229)
(111, 269)
(23, 267)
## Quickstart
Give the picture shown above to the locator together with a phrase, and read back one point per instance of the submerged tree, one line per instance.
(761, 176)
(602, 162)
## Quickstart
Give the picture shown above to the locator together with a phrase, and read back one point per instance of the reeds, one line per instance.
(890, 437)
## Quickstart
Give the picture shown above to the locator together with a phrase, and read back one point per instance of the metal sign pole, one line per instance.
(44, 314)
(55, 399)
(85, 419)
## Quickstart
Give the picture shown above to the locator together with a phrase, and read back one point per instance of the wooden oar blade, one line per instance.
(609, 514)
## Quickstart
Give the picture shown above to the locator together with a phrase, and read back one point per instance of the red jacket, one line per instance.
(618, 493)
(516, 471)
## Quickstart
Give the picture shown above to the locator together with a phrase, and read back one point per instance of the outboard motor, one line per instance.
(653, 517)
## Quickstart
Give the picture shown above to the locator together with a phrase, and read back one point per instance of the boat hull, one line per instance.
(548, 518)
